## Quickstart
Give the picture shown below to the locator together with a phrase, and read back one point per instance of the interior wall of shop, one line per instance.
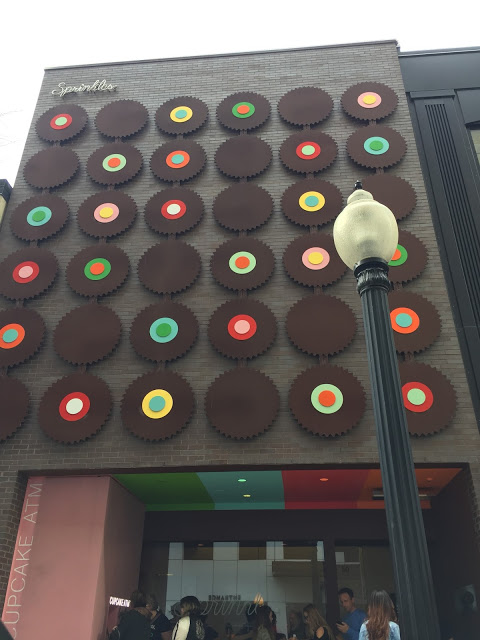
(87, 547)
(199, 446)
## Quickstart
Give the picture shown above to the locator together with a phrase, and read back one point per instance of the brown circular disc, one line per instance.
(21, 334)
(117, 151)
(27, 273)
(424, 314)
(438, 415)
(169, 267)
(87, 334)
(174, 210)
(380, 107)
(243, 207)
(416, 258)
(242, 403)
(309, 164)
(51, 167)
(151, 427)
(98, 218)
(295, 207)
(198, 116)
(75, 408)
(243, 157)
(74, 120)
(341, 416)
(315, 250)
(121, 119)
(395, 152)
(112, 261)
(167, 164)
(305, 106)
(164, 331)
(242, 328)
(395, 193)
(321, 325)
(223, 264)
(53, 209)
(14, 402)
(243, 122)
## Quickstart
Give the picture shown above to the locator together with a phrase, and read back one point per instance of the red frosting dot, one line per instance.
(326, 398)
(242, 262)
(114, 162)
(97, 268)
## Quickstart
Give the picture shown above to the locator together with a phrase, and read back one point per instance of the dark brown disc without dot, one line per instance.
(252, 119)
(121, 119)
(126, 158)
(425, 334)
(321, 325)
(14, 401)
(310, 163)
(106, 214)
(341, 418)
(164, 331)
(305, 106)
(98, 270)
(174, 210)
(51, 213)
(295, 202)
(243, 157)
(305, 254)
(242, 328)
(27, 273)
(82, 423)
(395, 152)
(223, 264)
(169, 267)
(71, 120)
(243, 207)
(21, 335)
(242, 403)
(416, 258)
(380, 109)
(87, 334)
(433, 419)
(178, 160)
(51, 167)
(157, 428)
(198, 116)
(395, 193)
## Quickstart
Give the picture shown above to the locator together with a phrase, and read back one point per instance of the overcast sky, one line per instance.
(35, 35)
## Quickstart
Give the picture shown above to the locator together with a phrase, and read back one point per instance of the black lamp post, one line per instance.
(366, 236)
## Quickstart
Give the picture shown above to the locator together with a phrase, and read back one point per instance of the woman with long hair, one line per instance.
(381, 622)
(316, 625)
(190, 625)
(263, 626)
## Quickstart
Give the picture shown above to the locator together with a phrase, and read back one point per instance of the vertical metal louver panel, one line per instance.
(462, 216)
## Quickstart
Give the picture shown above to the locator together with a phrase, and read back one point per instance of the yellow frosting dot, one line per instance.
(369, 99)
(106, 212)
(315, 257)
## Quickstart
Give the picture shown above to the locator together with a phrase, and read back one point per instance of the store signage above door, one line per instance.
(99, 85)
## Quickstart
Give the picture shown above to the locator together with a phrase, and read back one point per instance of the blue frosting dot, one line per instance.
(404, 320)
(311, 201)
(10, 335)
(178, 158)
(181, 113)
(157, 403)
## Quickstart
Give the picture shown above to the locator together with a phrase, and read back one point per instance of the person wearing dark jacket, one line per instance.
(134, 623)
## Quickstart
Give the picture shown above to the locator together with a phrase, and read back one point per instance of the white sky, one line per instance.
(35, 35)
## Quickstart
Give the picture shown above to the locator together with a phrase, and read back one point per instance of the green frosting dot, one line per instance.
(416, 397)
(311, 201)
(181, 113)
(376, 145)
(163, 330)
(61, 121)
(308, 150)
(38, 216)
(157, 403)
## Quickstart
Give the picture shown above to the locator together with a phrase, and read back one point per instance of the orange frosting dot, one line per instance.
(243, 108)
(397, 255)
(242, 262)
(326, 398)
(97, 268)
(114, 162)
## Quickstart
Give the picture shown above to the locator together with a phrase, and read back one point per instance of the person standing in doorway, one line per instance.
(381, 623)
(353, 618)
(190, 625)
(159, 624)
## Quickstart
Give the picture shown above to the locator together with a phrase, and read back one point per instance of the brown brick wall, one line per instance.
(211, 79)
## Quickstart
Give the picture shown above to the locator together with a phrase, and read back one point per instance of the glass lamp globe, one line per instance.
(365, 229)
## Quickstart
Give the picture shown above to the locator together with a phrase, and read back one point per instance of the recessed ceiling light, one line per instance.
(323, 479)
(242, 480)
(429, 479)
(247, 495)
(200, 544)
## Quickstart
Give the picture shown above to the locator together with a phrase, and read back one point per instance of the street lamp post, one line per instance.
(366, 237)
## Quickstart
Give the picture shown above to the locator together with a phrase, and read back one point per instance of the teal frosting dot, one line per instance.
(181, 113)
(178, 158)
(157, 403)
(404, 320)
(311, 201)
(10, 335)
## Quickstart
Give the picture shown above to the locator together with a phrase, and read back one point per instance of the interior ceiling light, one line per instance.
(242, 480)
(423, 494)
(323, 479)
(247, 495)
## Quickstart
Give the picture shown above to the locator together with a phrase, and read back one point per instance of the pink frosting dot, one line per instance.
(25, 272)
(242, 327)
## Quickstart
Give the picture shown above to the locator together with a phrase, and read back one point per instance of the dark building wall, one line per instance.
(333, 69)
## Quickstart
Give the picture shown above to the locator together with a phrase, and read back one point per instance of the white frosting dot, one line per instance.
(173, 209)
(74, 406)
